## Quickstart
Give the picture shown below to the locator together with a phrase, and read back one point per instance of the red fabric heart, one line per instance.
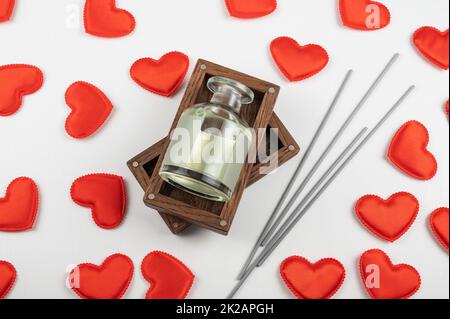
(108, 281)
(433, 45)
(6, 9)
(104, 194)
(17, 80)
(169, 277)
(298, 62)
(90, 109)
(249, 9)
(439, 222)
(383, 280)
(363, 14)
(408, 151)
(388, 219)
(18, 209)
(163, 76)
(7, 278)
(312, 281)
(103, 19)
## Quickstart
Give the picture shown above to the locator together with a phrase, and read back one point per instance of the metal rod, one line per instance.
(317, 185)
(268, 233)
(330, 169)
(296, 173)
(274, 242)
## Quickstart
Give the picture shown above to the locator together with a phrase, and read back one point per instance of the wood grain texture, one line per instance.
(143, 166)
(206, 213)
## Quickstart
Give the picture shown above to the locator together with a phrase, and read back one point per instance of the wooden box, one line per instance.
(143, 166)
(216, 216)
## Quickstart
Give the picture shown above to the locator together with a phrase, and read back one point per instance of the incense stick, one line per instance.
(278, 238)
(318, 183)
(268, 233)
(296, 173)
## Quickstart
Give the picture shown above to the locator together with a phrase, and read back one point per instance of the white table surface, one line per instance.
(49, 34)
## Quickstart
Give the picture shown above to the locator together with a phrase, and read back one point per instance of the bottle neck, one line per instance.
(228, 97)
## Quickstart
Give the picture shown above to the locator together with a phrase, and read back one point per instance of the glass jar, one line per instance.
(209, 146)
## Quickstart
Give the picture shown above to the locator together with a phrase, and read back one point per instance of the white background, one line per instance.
(34, 143)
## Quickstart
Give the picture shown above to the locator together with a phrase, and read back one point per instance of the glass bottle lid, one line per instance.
(230, 92)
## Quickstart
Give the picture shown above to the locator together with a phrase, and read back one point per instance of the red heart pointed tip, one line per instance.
(6, 10)
(433, 45)
(388, 219)
(148, 73)
(356, 14)
(104, 194)
(439, 223)
(16, 81)
(321, 280)
(408, 151)
(90, 108)
(19, 207)
(8, 276)
(169, 277)
(298, 62)
(110, 280)
(103, 19)
(250, 9)
(388, 281)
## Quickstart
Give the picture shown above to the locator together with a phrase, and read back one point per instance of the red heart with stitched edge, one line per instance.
(433, 45)
(439, 222)
(110, 280)
(298, 62)
(312, 281)
(18, 209)
(408, 151)
(388, 219)
(104, 194)
(169, 277)
(7, 278)
(17, 80)
(103, 19)
(383, 280)
(249, 9)
(90, 109)
(364, 15)
(6, 9)
(163, 76)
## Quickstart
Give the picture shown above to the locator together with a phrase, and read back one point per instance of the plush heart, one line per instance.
(90, 109)
(364, 15)
(169, 277)
(312, 281)
(103, 19)
(388, 219)
(408, 151)
(433, 45)
(104, 194)
(383, 280)
(163, 76)
(7, 278)
(298, 62)
(6, 9)
(17, 80)
(108, 281)
(249, 9)
(439, 222)
(446, 108)
(18, 209)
